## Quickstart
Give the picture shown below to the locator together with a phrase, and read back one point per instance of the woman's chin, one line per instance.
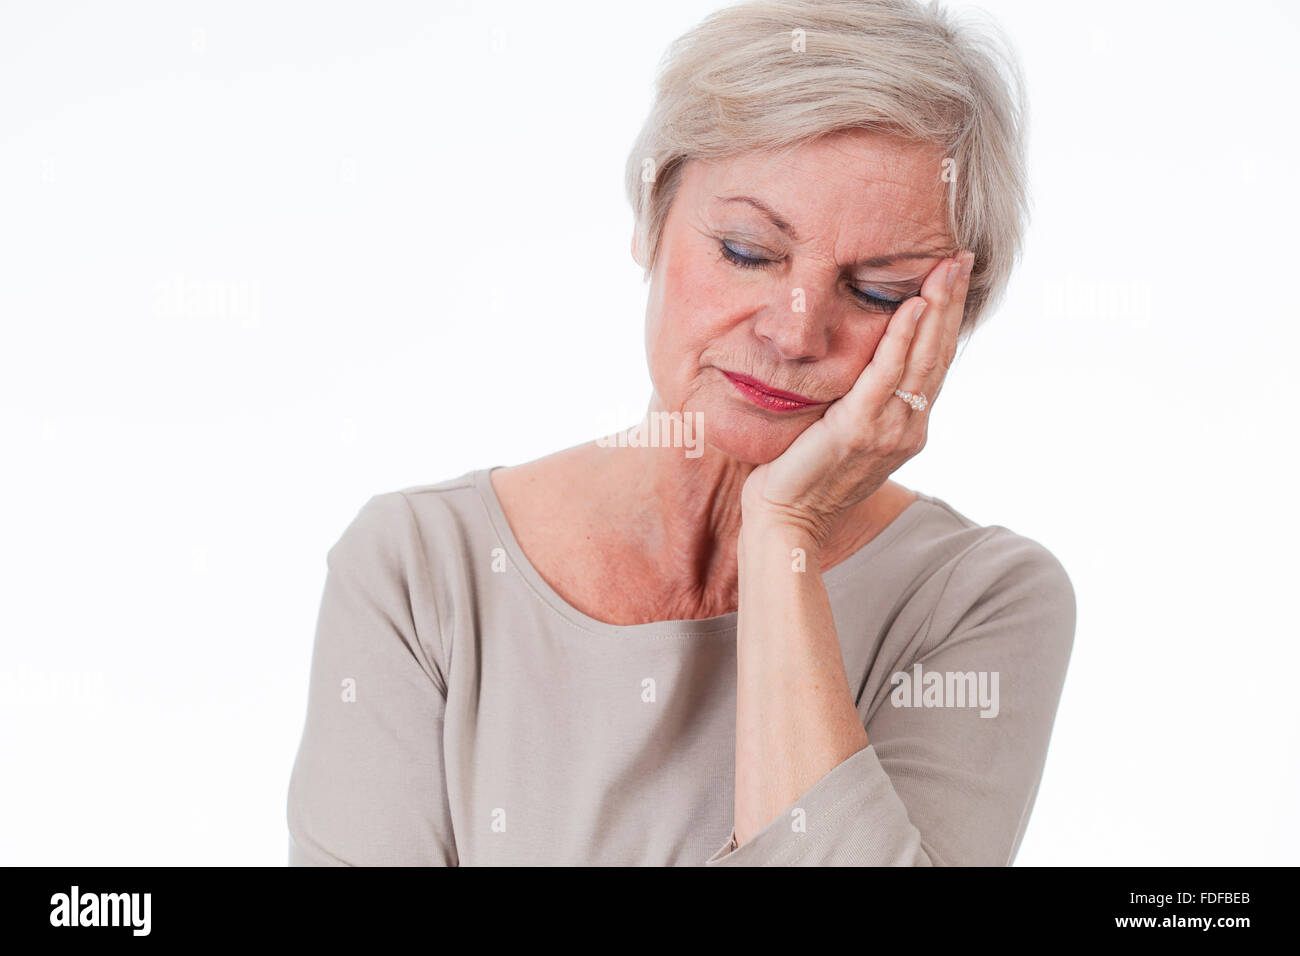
(751, 437)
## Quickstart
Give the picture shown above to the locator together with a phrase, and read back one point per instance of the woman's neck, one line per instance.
(630, 534)
(684, 515)
(679, 517)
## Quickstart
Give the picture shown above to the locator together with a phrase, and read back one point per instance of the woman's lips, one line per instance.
(765, 396)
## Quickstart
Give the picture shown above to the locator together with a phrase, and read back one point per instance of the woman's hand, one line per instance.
(865, 435)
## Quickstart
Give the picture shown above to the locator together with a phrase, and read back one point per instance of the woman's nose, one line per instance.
(798, 329)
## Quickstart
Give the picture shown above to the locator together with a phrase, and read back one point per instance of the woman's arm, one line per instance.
(915, 779)
(795, 717)
(919, 786)
(367, 787)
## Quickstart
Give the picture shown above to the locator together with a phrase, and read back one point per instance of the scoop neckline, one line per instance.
(719, 624)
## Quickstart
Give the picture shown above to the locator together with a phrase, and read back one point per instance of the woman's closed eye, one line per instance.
(747, 260)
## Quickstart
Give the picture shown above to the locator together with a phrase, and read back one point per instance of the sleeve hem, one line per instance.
(858, 780)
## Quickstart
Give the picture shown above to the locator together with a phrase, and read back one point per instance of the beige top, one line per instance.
(460, 712)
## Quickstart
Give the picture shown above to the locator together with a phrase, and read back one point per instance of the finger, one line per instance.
(934, 346)
(875, 386)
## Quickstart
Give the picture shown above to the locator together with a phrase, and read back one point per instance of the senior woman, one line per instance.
(747, 646)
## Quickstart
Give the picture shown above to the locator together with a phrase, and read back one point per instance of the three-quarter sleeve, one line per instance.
(367, 786)
(944, 782)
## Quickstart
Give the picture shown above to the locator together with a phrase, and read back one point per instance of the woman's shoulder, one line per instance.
(459, 495)
(413, 551)
(981, 560)
(419, 521)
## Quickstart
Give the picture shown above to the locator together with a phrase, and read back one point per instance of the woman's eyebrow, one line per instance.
(766, 210)
(879, 262)
(875, 262)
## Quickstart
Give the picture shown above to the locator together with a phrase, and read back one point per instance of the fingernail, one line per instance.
(968, 262)
(953, 269)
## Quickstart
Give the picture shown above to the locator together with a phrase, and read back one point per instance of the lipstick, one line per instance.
(765, 396)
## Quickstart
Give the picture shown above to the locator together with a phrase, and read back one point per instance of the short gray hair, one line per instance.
(735, 82)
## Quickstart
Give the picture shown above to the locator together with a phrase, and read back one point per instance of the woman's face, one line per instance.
(784, 271)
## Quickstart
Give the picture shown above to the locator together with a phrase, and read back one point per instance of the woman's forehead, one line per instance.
(864, 154)
(859, 165)
(892, 193)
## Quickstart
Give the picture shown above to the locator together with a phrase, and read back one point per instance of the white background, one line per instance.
(260, 261)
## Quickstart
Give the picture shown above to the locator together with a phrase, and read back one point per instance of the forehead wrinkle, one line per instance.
(895, 231)
(898, 209)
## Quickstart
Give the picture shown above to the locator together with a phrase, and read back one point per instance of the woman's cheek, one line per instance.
(860, 343)
(689, 320)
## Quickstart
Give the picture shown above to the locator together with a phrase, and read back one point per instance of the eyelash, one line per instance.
(876, 302)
